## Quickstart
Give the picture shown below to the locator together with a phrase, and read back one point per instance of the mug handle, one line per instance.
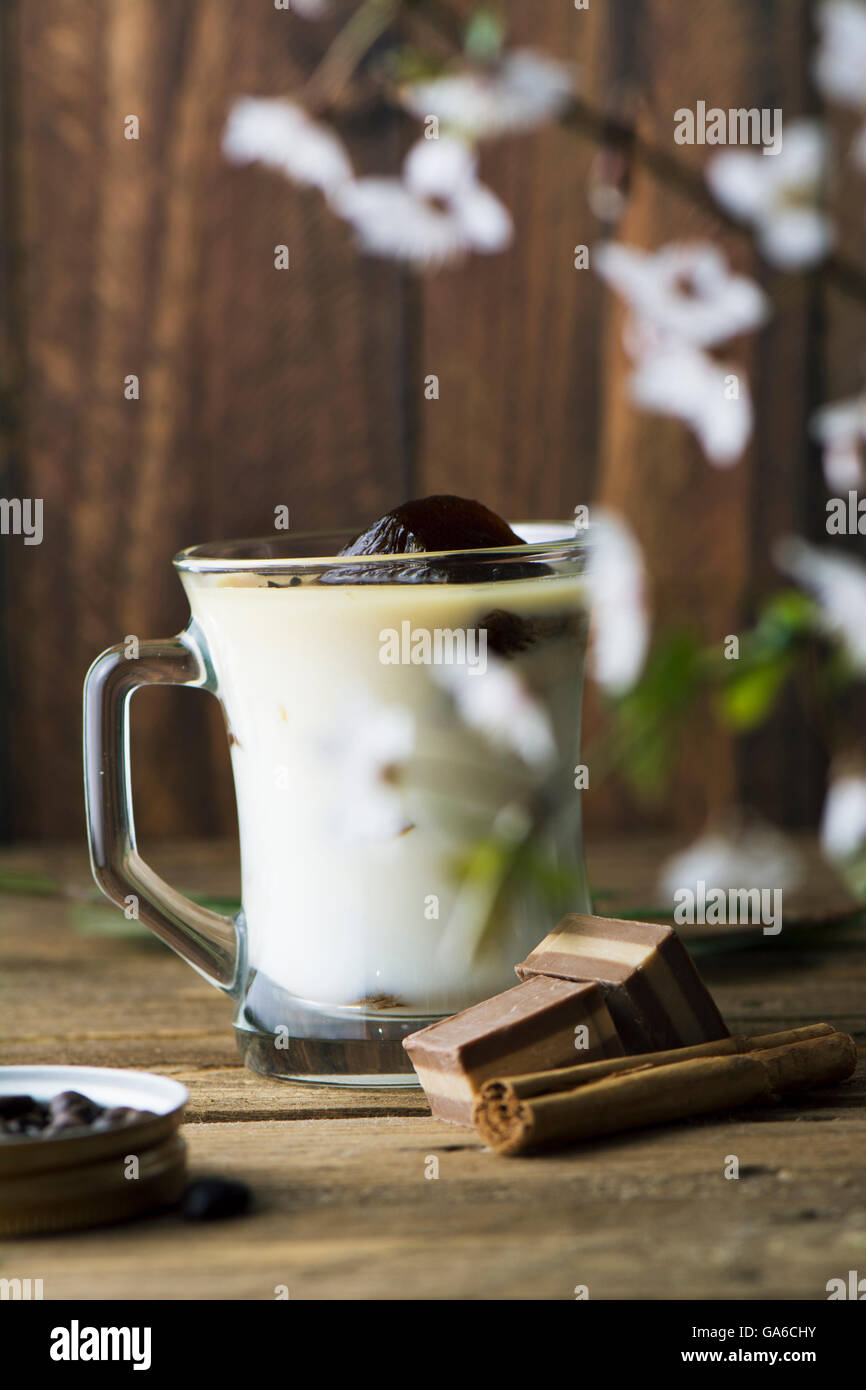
(207, 940)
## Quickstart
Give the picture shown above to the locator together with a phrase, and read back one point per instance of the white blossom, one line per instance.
(839, 66)
(858, 148)
(500, 706)
(368, 756)
(779, 196)
(521, 92)
(311, 9)
(838, 582)
(840, 429)
(736, 855)
(283, 136)
(843, 821)
(616, 584)
(684, 290)
(683, 299)
(437, 213)
(708, 396)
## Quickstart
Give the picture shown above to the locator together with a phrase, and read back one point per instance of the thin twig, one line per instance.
(347, 52)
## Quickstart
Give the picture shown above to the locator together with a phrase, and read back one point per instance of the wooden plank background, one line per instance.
(305, 387)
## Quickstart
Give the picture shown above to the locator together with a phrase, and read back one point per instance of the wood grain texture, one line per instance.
(258, 387)
(306, 387)
(11, 367)
(708, 531)
(344, 1212)
(512, 337)
(342, 1207)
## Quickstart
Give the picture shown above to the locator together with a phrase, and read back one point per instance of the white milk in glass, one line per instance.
(334, 914)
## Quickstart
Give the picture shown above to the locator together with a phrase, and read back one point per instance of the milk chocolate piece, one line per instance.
(528, 1028)
(653, 991)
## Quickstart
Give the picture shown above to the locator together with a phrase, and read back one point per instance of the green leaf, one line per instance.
(484, 36)
(410, 64)
(790, 611)
(750, 697)
(483, 862)
(783, 628)
(228, 907)
(103, 919)
(555, 881)
(853, 870)
(26, 882)
(647, 719)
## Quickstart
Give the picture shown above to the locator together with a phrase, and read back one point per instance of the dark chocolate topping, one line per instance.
(438, 523)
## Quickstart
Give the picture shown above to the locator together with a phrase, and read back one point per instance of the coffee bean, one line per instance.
(120, 1116)
(68, 1110)
(16, 1126)
(63, 1121)
(22, 1115)
(73, 1103)
(215, 1199)
(12, 1106)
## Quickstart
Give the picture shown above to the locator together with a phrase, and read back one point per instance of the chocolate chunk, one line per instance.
(653, 991)
(508, 634)
(529, 1028)
(441, 522)
(215, 1199)
(438, 523)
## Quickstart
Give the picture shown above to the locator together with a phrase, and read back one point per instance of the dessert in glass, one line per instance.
(403, 712)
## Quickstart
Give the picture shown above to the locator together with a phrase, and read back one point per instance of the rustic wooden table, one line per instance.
(343, 1206)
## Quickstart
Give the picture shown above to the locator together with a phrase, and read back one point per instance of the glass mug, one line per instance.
(404, 733)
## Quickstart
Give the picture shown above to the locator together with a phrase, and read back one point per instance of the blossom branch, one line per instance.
(326, 89)
(613, 133)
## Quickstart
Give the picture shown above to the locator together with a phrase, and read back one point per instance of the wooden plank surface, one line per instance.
(345, 1211)
(342, 1205)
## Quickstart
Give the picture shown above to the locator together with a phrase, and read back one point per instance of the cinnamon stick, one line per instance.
(568, 1078)
(650, 1095)
(816, 1063)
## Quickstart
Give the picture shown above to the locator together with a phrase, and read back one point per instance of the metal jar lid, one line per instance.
(86, 1178)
